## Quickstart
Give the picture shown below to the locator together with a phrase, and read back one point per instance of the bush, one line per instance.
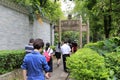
(52, 47)
(10, 59)
(106, 46)
(87, 64)
(113, 63)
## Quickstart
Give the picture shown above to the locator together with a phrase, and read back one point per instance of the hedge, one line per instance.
(10, 60)
(87, 64)
(105, 46)
(96, 61)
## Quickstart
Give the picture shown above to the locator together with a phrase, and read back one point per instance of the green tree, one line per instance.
(104, 16)
(45, 8)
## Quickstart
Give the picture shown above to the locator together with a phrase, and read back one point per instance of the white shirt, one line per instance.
(65, 48)
(50, 51)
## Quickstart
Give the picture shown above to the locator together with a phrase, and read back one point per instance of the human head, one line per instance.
(38, 44)
(65, 41)
(31, 40)
(47, 46)
(59, 44)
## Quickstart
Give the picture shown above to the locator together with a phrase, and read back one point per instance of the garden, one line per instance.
(96, 61)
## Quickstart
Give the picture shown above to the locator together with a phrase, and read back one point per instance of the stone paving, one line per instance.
(58, 73)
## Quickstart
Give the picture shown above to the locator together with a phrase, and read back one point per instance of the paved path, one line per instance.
(58, 73)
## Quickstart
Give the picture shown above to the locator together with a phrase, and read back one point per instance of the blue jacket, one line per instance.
(35, 64)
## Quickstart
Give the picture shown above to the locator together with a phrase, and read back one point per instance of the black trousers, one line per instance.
(64, 61)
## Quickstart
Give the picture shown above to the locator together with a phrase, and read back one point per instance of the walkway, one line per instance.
(58, 73)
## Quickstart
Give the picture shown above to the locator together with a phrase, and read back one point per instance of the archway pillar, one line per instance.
(80, 30)
(88, 33)
(60, 30)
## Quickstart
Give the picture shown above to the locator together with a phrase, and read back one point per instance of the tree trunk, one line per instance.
(108, 22)
(106, 26)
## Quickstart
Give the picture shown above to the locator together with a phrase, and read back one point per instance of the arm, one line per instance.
(72, 49)
(45, 65)
(24, 67)
(24, 74)
(50, 52)
(46, 68)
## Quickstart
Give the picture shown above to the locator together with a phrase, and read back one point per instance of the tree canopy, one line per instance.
(45, 8)
(104, 16)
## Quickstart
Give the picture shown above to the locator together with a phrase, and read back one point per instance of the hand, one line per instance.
(47, 75)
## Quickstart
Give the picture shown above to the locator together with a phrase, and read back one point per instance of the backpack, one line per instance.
(46, 54)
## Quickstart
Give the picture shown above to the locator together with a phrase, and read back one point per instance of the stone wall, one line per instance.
(14, 75)
(16, 29)
(41, 30)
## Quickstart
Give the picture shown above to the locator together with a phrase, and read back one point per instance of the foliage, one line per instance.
(44, 8)
(10, 59)
(87, 64)
(106, 46)
(110, 49)
(52, 11)
(56, 36)
(70, 36)
(112, 61)
(101, 57)
(52, 47)
(103, 15)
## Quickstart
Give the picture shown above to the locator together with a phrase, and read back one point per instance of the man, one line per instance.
(29, 48)
(66, 50)
(34, 63)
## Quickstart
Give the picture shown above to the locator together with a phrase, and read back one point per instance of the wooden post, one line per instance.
(59, 30)
(80, 27)
(88, 33)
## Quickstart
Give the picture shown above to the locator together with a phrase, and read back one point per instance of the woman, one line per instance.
(50, 52)
(74, 47)
(58, 53)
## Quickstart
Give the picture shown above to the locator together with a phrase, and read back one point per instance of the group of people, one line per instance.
(35, 66)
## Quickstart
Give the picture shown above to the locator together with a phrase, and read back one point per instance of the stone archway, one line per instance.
(73, 25)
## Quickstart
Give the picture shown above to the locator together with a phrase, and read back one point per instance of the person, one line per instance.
(50, 51)
(58, 53)
(74, 47)
(29, 47)
(35, 63)
(66, 50)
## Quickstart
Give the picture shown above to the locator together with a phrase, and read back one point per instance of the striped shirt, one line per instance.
(29, 48)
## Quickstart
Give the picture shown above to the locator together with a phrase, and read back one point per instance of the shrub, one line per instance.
(87, 64)
(113, 62)
(52, 47)
(106, 46)
(10, 59)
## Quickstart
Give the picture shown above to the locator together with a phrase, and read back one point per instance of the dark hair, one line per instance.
(38, 43)
(31, 40)
(59, 45)
(65, 41)
(47, 46)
